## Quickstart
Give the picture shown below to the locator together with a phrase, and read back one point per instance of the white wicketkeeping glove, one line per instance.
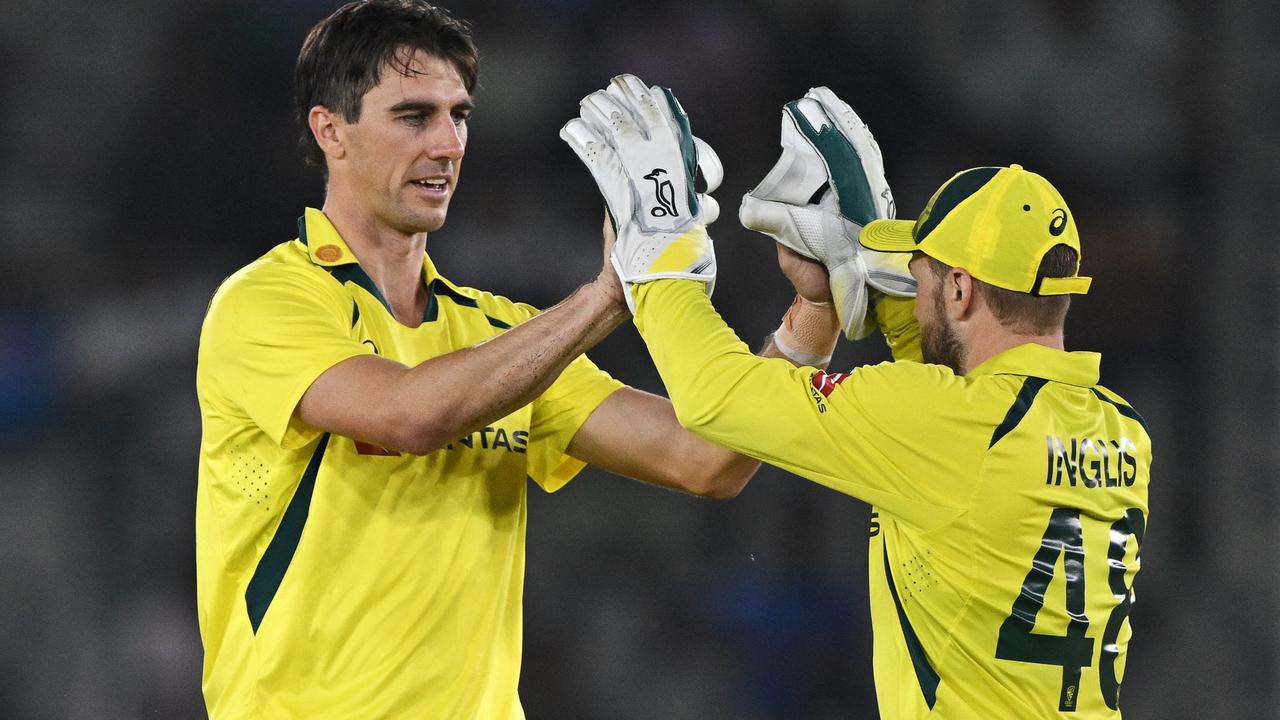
(637, 144)
(824, 143)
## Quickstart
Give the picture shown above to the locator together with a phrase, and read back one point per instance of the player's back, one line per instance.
(1019, 607)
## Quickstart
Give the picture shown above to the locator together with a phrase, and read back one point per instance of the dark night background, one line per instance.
(148, 151)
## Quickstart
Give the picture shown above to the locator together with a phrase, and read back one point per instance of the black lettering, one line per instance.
(817, 398)
(1089, 479)
(1049, 463)
(875, 524)
(521, 438)
(1130, 461)
(1106, 466)
(1059, 459)
(467, 441)
(484, 437)
(500, 440)
(1072, 462)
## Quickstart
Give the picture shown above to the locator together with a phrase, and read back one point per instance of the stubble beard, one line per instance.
(939, 343)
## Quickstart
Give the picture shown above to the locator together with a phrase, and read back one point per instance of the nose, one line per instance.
(449, 141)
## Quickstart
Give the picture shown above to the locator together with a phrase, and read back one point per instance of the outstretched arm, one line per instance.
(421, 409)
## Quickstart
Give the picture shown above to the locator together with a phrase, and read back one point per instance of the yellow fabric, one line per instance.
(402, 595)
(999, 234)
(896, 319)
(685, 252)
(958, 520)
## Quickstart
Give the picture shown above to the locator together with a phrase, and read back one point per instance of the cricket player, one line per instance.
(369, 426)
(1008, 487)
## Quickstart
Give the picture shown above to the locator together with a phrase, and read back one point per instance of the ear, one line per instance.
(326, 130)
(958, 294)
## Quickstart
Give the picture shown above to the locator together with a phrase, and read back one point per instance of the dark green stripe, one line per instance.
(275, 561)
(355, 313)
(356, 274)
(956, 191)
(925, 674)
(1018, 410)
(302, 230)
(688, 150)
(437, 288)
(843, 166)
(1125, 410)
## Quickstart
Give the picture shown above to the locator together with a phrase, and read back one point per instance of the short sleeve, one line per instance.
(557, 415)
(270, 332)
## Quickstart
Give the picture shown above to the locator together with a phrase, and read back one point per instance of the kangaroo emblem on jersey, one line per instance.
(665, 192)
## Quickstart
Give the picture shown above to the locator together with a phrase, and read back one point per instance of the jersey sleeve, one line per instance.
(270, 332)
(557, 415)
(561, 410)
(858, 434)
(896, 319)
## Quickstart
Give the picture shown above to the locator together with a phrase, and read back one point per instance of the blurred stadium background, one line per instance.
(148, 151)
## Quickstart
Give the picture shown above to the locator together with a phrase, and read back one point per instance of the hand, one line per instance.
(808, 277)
(637, 144)
(824, 143)
(607, 281)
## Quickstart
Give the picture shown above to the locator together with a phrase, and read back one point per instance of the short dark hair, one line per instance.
(344, 55)
(1023, 312)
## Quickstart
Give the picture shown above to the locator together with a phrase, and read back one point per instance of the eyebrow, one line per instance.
(429, 107)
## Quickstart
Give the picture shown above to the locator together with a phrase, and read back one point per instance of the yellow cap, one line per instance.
(997, 223)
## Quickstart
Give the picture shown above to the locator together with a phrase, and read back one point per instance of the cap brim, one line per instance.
(888, 236)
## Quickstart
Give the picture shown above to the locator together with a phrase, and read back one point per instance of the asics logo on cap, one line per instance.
(664, 192)
(1058, 223)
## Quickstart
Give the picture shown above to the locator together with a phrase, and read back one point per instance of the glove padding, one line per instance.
(637, 144)
(824, 143)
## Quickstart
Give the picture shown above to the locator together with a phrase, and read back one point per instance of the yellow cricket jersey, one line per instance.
(336, 579)
(1009, 505)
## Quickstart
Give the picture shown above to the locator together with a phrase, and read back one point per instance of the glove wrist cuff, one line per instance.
(808, 333)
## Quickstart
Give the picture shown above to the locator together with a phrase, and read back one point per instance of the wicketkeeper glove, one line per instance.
(824, 143)
(637, 144)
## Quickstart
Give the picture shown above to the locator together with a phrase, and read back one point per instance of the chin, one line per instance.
(423, 222)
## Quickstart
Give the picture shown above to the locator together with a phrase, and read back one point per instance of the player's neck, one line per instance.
(991, 339)
(392, 259)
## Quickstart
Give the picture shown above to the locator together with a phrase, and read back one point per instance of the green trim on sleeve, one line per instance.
(275, 561)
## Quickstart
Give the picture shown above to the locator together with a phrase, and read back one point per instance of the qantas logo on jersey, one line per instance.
(821, 385)
(1093, 462)
(494, 438)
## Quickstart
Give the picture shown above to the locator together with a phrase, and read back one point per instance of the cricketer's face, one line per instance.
(939, 342)
(405, 152)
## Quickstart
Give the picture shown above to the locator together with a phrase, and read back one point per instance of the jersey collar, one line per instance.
(327, 248)
(324, 244)
(1035, 360)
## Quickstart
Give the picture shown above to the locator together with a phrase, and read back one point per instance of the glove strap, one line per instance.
(808, 333)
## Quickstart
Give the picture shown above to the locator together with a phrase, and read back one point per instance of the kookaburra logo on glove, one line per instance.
(665, 193)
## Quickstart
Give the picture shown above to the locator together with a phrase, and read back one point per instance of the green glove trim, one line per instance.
(844, 167)
(687, 149)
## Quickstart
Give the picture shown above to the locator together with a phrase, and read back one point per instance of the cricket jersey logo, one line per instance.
(665, 193)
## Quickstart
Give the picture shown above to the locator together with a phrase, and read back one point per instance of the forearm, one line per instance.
(718, 388)
(807, 336)
(471, 388)
(420, 409)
